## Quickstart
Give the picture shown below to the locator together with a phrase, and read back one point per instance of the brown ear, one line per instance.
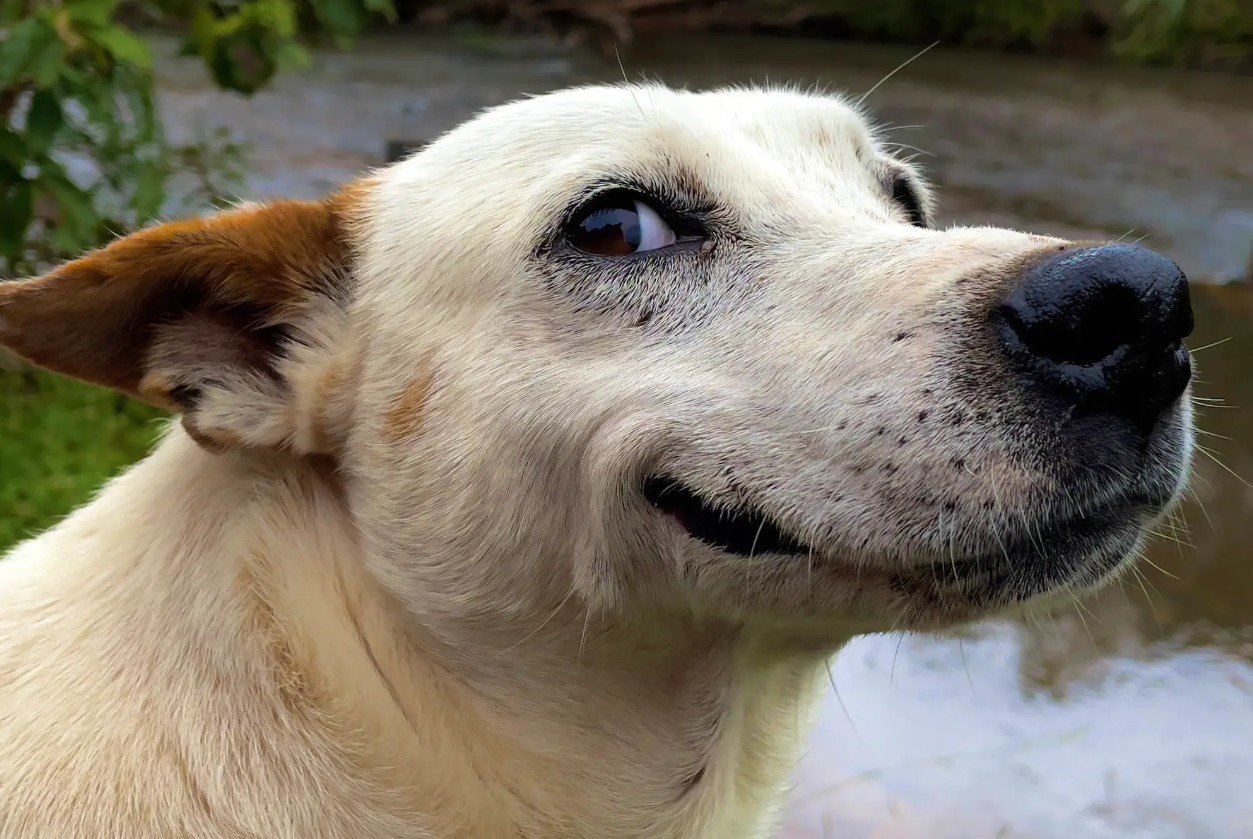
(170, 312)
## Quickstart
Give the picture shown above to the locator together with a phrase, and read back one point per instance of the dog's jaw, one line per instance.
(250, 627)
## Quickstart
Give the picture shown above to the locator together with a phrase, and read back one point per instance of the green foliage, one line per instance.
(59, 440)
(82, 158)
(1191, 32)
(1000, 23)
(79, 139)
(82, 154)
(1217, 33)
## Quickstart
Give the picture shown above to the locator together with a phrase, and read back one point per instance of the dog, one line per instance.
(524, 488)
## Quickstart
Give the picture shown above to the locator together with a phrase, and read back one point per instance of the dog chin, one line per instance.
(1045, 558)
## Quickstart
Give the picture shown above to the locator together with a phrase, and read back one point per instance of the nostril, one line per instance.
(1104, 327)
(1082, 326)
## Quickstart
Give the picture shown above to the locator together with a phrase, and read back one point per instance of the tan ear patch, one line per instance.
(94, 318)
(404, 418)
(200, 316)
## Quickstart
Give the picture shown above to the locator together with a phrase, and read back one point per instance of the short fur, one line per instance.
(394, 576)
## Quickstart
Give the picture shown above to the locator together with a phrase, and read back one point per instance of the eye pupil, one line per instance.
(619, 223)
(610, 231)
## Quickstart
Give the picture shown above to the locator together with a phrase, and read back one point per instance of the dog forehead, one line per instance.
(752, 110)
(626, 124)
(746, 146)
(769, 157)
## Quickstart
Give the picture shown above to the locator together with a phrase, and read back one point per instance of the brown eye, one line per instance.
(619, 225)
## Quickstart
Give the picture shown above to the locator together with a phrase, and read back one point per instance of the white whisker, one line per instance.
(1211, 344)
(897, 69)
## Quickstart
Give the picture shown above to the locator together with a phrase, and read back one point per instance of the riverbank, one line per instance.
(1057, 146)
(1191, 33)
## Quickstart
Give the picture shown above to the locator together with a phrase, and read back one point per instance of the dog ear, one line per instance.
(208, 317)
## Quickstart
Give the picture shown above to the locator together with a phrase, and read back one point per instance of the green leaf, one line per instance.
(47, 63)
(125, 47)
(274, 18)
(200, 34)
(15, 217)
(12, 9)
(241, 62)
(340, 17)
(386, 8)
(78, 215)
(42, 122)
(93, 12)
(24, 39)
(289, 55)
(12, 149)
(149, 192)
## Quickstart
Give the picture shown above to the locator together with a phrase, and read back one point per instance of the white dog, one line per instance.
(523, 488)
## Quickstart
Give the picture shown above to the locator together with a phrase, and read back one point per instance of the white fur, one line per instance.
(474, 626)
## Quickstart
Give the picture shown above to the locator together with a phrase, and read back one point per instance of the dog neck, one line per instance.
(274, 643)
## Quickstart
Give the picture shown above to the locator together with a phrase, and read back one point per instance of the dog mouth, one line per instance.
(736, 531)
(1083, 548)
(1059, 553)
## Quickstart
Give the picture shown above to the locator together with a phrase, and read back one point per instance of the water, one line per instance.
(1132, 717)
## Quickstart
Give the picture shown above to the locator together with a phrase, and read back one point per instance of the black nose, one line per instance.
(1103, 328)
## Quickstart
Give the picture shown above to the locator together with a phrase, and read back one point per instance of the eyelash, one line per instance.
(686, 223)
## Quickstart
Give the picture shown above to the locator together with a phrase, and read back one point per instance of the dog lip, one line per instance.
(1081, 547)
(741, 532)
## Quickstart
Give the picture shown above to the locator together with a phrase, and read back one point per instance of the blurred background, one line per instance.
(1128, 716)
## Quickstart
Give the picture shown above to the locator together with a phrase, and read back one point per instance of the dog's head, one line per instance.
(695, 351)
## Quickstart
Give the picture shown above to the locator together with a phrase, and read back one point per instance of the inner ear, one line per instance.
(202, 348)
(96, 318)
(198, 316)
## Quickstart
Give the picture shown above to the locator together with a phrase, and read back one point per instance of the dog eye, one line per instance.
(904, 194)
(620, 225)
